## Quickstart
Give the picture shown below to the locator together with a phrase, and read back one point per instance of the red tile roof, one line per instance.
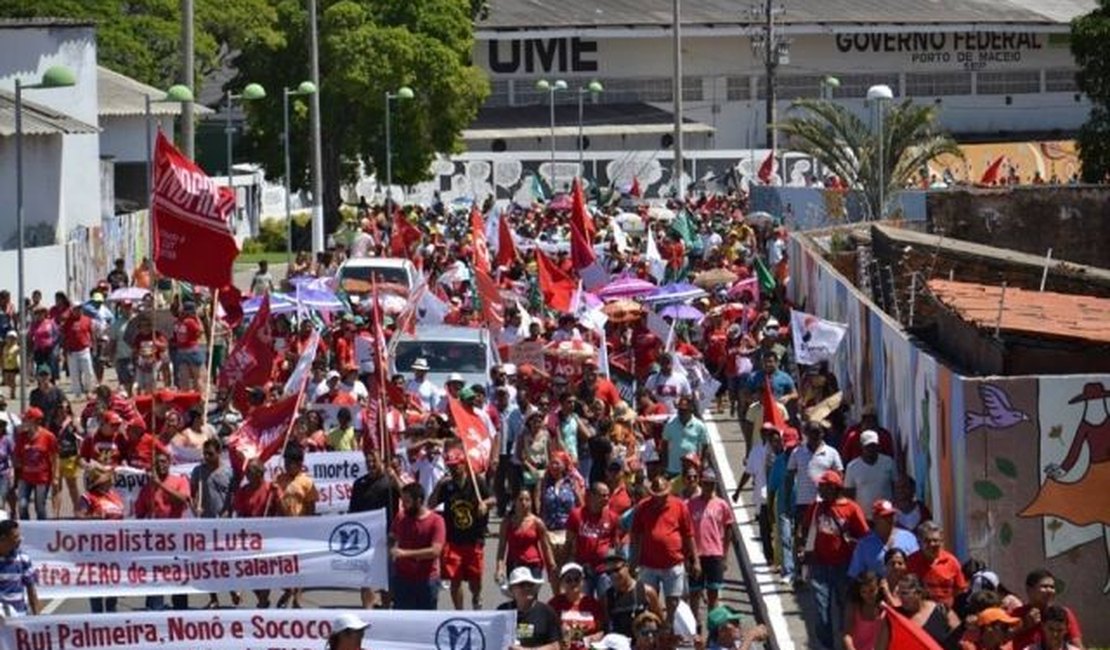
(1048, 314)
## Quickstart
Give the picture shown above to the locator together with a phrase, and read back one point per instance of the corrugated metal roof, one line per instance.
(544, 14)
(119, 95)
(1033, 313)
(36, 22)
(38, 119)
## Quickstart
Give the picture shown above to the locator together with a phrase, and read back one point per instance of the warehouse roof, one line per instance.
(119, 95)
(38, 119)
(543, 14)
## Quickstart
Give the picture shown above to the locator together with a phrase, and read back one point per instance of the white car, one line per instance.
(469, 351)
(393, 274)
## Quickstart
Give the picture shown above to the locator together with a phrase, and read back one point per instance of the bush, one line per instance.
(272, 235)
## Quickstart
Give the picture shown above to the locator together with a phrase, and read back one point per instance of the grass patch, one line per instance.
(254, 258)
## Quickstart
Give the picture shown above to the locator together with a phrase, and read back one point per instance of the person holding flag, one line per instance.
(466, 500)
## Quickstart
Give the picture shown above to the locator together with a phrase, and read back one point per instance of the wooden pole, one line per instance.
(211, 354)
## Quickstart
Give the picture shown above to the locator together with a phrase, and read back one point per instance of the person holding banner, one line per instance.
(417, 538)
(298, 499)
(165, 496)
(18, 596)
(537, 624)
(374, 490)
(257, 498)
(100, 501)
(211, 482)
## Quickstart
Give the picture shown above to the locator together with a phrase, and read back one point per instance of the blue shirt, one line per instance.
(683, 439)
(16, 574)
(781, 383)
(779, 486)
(870, 550)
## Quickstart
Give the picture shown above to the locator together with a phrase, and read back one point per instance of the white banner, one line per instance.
(815, 339)
(333, 472)
(87, 559)
(269, 629)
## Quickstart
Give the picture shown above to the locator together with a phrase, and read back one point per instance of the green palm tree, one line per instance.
(848, 148)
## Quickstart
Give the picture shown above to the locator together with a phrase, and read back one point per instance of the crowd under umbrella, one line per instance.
(128, 294)
(681, 311)
(279, 304)
(714, 277)
(623, 311)
(626, 287)
(319, 300)
(675, 292)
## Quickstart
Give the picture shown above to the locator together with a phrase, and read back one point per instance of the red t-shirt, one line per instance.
(415, 533)
(36, 454)
(578, 620)
(258, 502)
(661, 528)
(605, 391)
(943, 577)
(106, 450)
(834, 529)
(619, 500)
(102, 506)
(1033, 635)
(154, 503)
(594, 535)
(77, 331)
(187, 331)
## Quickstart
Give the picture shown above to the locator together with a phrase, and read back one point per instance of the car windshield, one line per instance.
(357, 279)
(442, 356)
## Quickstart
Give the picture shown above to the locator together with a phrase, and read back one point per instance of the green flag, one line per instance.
(538, 193)
(683, 226)
(766, 278)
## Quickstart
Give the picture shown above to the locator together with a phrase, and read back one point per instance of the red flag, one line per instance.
(375, 434)
(263, 433)
(636, 191)
(472, 431)
(251, 360)
(578, 211)
(581, 231)
(767, 169)
(493, 311)
(556, 286)
(506, 247)
(231, 299)
(771, 413)
(190, 214)
(403, 237)
(481, 246)
(993, 173)
(905, 634)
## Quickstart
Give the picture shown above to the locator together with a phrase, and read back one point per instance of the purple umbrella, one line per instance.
(682, 312)
(626, 287)
(676, 292)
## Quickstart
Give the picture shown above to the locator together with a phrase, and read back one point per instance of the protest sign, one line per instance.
(333, 472)
(527, 352)
(815, 339)
(96, 558)
(257, 629)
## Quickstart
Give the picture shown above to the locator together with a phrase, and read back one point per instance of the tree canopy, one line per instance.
(1090, 45)
(848, 148)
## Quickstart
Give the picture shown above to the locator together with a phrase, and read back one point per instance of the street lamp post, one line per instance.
(54, 77)
(306, 88)
(251, 92)
(880, 94)
(550, 88)
(828, 85)
(593, 88)
(179, 94)
(404, 92)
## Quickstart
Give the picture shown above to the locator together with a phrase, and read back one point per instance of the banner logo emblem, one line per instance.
(349, 539)
(460, 634)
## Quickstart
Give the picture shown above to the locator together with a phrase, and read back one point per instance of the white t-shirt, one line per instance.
(667, 389)
(428, 393)
(757, 468)
(810, 465)
(872, 482)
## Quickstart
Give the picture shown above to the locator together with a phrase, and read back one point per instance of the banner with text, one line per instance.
(88, 559)
(258, 629)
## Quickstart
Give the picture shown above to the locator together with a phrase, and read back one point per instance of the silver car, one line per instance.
(469, 351)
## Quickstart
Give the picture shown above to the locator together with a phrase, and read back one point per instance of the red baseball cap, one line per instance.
(790, 437)
(882, 508)
(455, 457)
(831, 477)
(33, 413)
(113, 418)
(693, 459)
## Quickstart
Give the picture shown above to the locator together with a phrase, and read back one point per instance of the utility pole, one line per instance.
(774, 50)
(317, 155)
(679, 186)
(188, 78)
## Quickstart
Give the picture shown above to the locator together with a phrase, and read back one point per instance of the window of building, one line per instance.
(629, 91)
(791, 87)
(1008, 83)
(856, 85)
(1060, 81)
(938, 84)
(738, 89)
(499, 94)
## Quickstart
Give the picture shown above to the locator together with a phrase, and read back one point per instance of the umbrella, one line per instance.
(162, 318)
(626, 287)
(573, 349)
(682, 312)
(630, 222)
(134, 294)
(730, 311)
(279, 304)
(675, 292)
(713, 277)
(319, 300)
(623, 311)
(560, 202)
(661, 213)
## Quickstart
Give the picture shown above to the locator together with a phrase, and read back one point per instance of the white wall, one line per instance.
(45, 269)
(41, 189)
(124, 137)
(27, 53)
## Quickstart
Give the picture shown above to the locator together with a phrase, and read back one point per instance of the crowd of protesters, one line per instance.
(608, 502)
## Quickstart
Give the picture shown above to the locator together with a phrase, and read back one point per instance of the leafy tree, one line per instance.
(142, 38)
(368, 48)
(1090, 45)
(848, 148)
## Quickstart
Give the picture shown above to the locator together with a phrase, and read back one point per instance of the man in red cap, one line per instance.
(35, 460)
(466, 500)
(835, 524)
(107, 447)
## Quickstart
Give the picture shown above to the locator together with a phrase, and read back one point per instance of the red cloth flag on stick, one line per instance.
(506, 247)
(771, 413)
(493, 310)
(556, 286)
(264, 432)
(473, 433)
(231, 299)
(403, 237)
(993, 173)
(192, 235)
(636, 191)
(905, 634)
(767, 169)
(481, 246)
(376, 435)
(251, 360)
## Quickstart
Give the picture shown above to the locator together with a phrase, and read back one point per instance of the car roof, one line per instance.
(446, 333)
(379, 262)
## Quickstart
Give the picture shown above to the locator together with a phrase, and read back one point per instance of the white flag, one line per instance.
(815, 339)
(303, 369)
(656, 266)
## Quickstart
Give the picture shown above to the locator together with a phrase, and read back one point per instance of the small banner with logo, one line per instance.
(92, 559)
(264, 628)
(815, 339)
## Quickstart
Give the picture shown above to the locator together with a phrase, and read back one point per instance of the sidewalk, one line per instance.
(784, 613)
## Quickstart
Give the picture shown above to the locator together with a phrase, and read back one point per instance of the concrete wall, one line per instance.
(124, 137)
(1071, 220)
(43, 222)
(45, 270)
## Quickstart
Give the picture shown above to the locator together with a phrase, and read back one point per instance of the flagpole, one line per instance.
(211, 354)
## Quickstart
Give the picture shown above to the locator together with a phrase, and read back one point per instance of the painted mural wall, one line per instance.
(1017, 470)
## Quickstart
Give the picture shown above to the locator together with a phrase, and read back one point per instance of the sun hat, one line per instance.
(523, 575)
(421, 364)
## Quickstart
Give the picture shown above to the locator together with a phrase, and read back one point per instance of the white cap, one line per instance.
(523, 575)
(347, 621)
(571, 566)
(509, 369)
(4, 516)
(868, 437)
(612, 641)
(455, 377)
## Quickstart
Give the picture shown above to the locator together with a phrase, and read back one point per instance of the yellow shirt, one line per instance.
(11, 356)
(298, 494)
(343, 439)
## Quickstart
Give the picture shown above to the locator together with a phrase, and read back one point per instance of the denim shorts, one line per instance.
(670, 583)
(190, 357)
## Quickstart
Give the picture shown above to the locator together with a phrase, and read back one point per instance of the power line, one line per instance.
(774, 50)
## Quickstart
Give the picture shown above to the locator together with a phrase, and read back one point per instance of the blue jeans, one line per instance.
(828, 583)
(420, 595)
(40, 492)
(786, 541)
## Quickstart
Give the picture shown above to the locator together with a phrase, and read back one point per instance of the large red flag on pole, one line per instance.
(264, 431)
(403, 236)
(493, 309)
(993, 173)
(251, 360)
(767, 169)
(192, 235)
(506, 247)
(478, 237)
(473, 433)
(907, 635)
(556, 286)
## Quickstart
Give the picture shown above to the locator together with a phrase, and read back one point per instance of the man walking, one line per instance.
(466, 502)
(211, 483)
(417, 539)
(663, 543)
(17, 575)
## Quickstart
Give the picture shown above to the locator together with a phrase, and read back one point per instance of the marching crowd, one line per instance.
(600, 477)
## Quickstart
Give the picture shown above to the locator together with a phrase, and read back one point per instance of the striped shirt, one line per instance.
(16, 574)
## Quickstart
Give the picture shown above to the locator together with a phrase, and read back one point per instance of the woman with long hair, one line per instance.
(895, 563)
(561, 491)
(522, 540)
(934, 618)
(532, 451)
(863, 615)
(68, 432)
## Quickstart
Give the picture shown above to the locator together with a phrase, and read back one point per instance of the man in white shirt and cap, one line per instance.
(422, 388)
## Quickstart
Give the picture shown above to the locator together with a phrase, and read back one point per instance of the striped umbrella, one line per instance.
(626, 287)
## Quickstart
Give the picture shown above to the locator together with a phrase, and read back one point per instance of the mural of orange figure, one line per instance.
(1086, 500)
